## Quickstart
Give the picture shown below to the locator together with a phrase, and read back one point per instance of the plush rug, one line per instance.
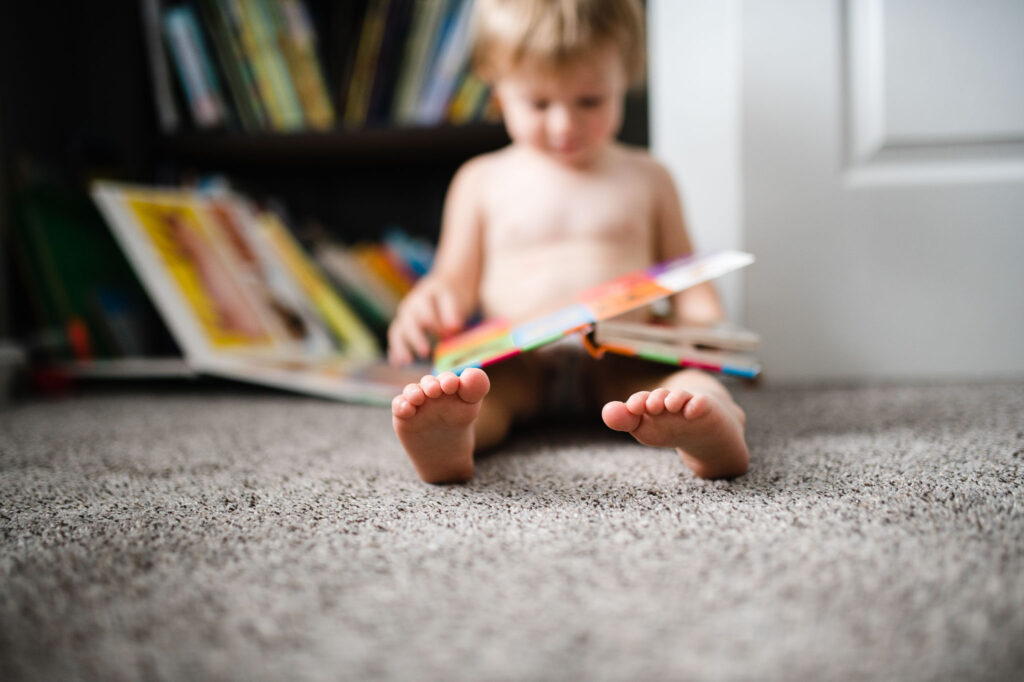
(203, 532)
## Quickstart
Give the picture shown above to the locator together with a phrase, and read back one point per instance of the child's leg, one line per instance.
(689, 410)
(441, 421)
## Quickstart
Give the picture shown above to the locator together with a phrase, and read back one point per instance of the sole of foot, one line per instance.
(707, 432)
(434, 421)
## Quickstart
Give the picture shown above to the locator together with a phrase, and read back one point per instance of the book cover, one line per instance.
(378, 260)
(356, 341)
(496, 340)
(451, 58)
(347, 21)
(251, 65)
(470, 98)
(240, 302)
(160, 71)
(232, 65)
(426, 24)
(718, 349)
(259, 15)
(357, 103)
(75, 300)
(298, 45)
(396, 31)
(195, 72)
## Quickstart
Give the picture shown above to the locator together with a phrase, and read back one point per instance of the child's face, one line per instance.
(570, 113)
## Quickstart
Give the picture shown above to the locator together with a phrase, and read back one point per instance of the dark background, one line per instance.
(77, 104)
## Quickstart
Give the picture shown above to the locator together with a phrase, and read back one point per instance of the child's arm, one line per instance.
(698, 305)
(443, 299)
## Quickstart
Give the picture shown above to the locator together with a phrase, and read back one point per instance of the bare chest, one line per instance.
(537, 212)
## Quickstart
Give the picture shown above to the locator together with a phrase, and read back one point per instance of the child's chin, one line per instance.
(575, 156)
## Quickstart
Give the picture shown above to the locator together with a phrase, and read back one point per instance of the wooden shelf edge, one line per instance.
(385, 145)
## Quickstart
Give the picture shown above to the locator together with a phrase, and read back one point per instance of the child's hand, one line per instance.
(430, 308)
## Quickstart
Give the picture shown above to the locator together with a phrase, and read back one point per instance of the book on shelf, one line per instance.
(82, 309)
(346, 25)
(168, 117)
(242, 298)
(425, 24)
(192, 59)
(592, 315)
(396, 31)
(234, 65)
(449, 61)
(258, 19)
(250, 62)
(365, 67)
(375, 277)
(255, 65)
(299, 45)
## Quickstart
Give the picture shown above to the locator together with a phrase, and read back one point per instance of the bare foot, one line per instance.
(434, 422)
(707, 431)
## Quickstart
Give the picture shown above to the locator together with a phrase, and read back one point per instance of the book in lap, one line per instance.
(241, 297)
(592, 314)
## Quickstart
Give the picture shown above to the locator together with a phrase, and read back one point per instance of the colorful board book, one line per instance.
(497, 340)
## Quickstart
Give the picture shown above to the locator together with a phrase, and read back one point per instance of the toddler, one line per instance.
(562, 208)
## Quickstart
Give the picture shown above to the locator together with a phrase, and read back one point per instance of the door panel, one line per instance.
(934, 86)
(885, 209)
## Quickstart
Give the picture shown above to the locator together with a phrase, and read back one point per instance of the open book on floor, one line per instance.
(721, 349)
(241, 297)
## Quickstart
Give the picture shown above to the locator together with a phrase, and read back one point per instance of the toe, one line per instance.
(698, 406)
(474, 385)
(401, 408)
(676, 401)
(449, 383)
(655, 403)
(617, 416)
(637, 403)
(431, 387)
(414, 394)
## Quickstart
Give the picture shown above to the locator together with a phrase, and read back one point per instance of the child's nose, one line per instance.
(560, 119)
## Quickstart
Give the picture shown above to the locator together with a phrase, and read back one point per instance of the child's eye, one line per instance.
(539, 104)
(590, 102)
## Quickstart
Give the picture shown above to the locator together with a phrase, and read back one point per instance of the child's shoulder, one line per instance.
(638, 160)
(480, 168)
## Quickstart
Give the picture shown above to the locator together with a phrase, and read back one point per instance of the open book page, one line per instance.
(717, 337)
(496, 340)
(671, 351)
(241, 297)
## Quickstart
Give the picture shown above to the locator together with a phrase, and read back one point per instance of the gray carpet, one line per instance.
(206, 533)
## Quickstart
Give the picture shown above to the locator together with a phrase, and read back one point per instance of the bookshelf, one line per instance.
(78, 93)
(353, 180)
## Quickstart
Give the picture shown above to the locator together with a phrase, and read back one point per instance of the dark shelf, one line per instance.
(339, 148)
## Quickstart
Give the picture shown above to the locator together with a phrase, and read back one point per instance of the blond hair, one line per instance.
(555, 32)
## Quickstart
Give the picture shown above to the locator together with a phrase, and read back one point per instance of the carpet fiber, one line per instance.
(209, 533)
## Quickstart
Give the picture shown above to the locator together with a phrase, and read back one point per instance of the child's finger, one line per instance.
(447, 312)
(411, 334)
(398, 349)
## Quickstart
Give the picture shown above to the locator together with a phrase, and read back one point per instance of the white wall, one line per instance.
(695, 119)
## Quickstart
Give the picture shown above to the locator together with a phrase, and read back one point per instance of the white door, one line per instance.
(875, 154)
